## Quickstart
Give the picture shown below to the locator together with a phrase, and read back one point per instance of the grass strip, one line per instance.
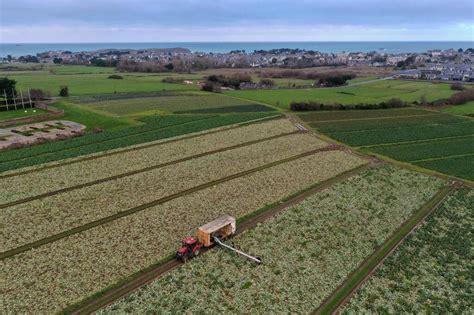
(145, 276)
(359, 276)
(153, 167)
(79, 229)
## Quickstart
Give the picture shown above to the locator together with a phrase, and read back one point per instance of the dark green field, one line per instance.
(429, 139)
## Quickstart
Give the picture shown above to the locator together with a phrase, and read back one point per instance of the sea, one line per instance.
(221, 47)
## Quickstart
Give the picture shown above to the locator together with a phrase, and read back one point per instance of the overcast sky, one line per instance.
(243, 20)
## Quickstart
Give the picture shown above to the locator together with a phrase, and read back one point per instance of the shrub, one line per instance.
(462, 97)
(457, 87)
(267, 82)
(39, 94)
(172, 80)
(64, 91)
(232, 81)
(211, 86)
(115, 77)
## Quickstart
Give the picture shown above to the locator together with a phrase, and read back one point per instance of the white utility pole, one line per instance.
(6, 98)
(22, 102)
(14, 96)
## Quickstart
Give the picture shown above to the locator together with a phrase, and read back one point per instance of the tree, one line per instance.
(8, 86)
(57, 60)
(64, 91)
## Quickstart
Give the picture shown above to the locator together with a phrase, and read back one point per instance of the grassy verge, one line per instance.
(371, 263)
(19, 113)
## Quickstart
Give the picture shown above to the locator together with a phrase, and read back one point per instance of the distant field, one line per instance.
(197, 102)
(84, 84)
(437, 141)
(375, 92)
(465, 109)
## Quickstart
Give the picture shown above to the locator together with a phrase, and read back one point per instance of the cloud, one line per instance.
(187, 20)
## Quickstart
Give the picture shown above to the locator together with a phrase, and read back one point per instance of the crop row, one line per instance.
(53, 276)
(386, 123)
(158, 122)
(174, 103)
(307, 250)
(460, 166)
(431, 272)
(427, 150)
(229, 109)
(394, 135)
(54, 214)
(68, 175)
(126, 96)
(60, 150)
(362, 114)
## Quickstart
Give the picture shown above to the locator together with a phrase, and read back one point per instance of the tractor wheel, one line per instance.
(197, 252)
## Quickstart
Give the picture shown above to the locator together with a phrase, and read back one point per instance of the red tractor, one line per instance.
(191, 248)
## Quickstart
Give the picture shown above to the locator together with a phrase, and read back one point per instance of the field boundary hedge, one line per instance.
(359, 276)
(130, 211)
(131, 283)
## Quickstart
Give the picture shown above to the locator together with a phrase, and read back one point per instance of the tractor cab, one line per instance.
(189, 249)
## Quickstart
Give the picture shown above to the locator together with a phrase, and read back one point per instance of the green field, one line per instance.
(437, 141)
(465, 109)
(90, 118)
(6, 115)
(430, 149)
(337, 115)
(431, 272)
(371, 93)
(196, 102)
(385, 122)
(83, 84)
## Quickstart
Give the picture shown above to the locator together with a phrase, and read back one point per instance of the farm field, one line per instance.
(132, 242)
(308, 250)
(431, 272)
(374, 92)
(82, 170)
(55, 214)
(155, 128)
(437, 141)
(465, 109)
(96, 83)
(178, 103)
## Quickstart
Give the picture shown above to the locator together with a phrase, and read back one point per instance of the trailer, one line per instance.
(210, 234)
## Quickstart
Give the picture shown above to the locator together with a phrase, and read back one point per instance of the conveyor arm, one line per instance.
(258, 260)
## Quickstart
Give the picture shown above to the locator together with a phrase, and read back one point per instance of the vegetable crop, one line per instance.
(431, 271)
(49, 278)
(308, 250)
(47, 180)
